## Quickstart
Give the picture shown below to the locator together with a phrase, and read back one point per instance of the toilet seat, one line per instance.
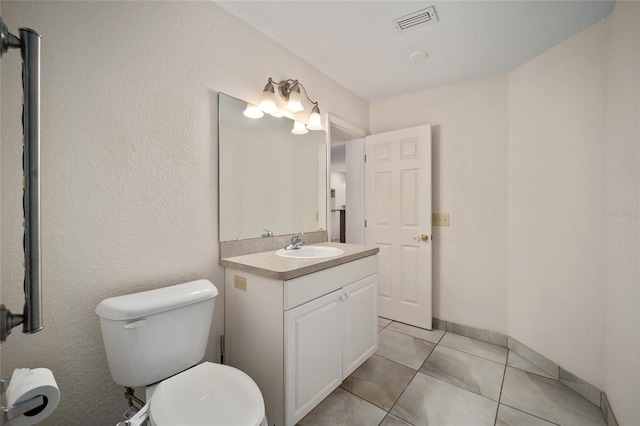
(207, 394)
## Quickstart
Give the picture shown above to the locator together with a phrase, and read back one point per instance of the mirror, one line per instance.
(269, 178)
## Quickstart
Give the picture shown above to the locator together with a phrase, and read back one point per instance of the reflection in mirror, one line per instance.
(269, 179)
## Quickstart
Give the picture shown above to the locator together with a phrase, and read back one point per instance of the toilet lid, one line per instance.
(207, 394)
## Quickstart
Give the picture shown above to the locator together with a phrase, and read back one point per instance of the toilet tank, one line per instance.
(155, 334)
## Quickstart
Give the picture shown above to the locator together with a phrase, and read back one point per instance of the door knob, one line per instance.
(423, 237)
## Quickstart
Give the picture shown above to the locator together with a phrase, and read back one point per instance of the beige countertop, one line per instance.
(269, 264)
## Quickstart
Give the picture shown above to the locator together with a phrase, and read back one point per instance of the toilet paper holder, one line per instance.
(10, 413)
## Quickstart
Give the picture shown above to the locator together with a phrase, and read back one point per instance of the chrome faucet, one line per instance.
(296, 242)
(266, 233)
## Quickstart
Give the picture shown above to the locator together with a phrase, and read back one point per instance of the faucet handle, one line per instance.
(297, 240)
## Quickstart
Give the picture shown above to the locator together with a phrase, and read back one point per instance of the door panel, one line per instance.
(410, 259)
(383, 195)
(313, 354)
(360, 339)
(409, 195)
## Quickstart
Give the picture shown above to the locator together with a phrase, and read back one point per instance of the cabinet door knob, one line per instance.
(343, 297)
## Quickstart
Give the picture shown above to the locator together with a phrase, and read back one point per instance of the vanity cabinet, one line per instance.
(326, 339)
(300, 338)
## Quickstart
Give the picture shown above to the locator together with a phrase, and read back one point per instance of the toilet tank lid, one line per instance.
(138, 305)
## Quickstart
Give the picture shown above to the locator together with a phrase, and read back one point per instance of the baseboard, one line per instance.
(607, 412)
(580, 386)
(585, 389)
(438, 324)
(476, 333)
(535, 358)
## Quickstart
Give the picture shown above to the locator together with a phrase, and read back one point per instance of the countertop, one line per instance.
(269, 264)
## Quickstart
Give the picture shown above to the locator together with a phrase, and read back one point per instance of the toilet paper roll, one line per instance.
(26, 384)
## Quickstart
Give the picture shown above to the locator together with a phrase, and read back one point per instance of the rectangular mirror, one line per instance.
(269, 178)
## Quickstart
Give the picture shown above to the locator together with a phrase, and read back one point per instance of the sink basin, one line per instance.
(311, 252)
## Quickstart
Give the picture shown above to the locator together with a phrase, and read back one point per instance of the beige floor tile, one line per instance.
(403, 349)
(431, 401)
(548, 399)
(475, 374)
(342, 408)
(379, 381)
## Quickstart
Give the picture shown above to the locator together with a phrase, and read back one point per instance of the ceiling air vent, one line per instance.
(415, 19)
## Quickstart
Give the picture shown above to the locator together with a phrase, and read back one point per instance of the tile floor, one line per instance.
(422, 377)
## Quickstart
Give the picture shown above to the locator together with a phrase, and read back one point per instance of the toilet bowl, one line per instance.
(207, 394)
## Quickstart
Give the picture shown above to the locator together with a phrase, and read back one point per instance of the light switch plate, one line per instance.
(440, 219)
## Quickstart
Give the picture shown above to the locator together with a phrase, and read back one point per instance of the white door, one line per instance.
(398, 221)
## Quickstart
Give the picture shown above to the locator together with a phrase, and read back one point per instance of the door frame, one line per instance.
(334, 121)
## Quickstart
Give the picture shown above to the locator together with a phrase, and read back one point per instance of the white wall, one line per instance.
(555, 144)
(355, 192)
(622, 214)
(556, 237)
(129, 168)
(469, 150)
(574, 284)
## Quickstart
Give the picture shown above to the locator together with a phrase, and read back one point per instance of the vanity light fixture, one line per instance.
(298, 128)
(289, 91)
(252, 111)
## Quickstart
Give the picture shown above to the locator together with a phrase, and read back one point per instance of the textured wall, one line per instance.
(469, 151)
(556, 238)
(622, 214)
(574, 282)
(129, 168)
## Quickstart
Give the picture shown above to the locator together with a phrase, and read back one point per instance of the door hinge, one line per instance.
(365, 158)
(365, 223)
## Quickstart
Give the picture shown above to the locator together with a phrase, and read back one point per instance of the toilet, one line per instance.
(156, 339)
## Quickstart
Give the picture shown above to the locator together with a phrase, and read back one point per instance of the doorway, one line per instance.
(338, 179)
(345, 202)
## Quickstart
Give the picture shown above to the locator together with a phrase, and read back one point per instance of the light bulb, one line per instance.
(253, 111)
(268, 103)
(315, 121)
(298, 128)
(295, 104)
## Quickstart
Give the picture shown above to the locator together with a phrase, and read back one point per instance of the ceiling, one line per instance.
(356, 43)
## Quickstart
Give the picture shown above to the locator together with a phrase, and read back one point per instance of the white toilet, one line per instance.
(155, 339)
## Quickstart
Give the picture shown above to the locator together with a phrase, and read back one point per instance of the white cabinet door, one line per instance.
(360, 325)
(313, 354)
